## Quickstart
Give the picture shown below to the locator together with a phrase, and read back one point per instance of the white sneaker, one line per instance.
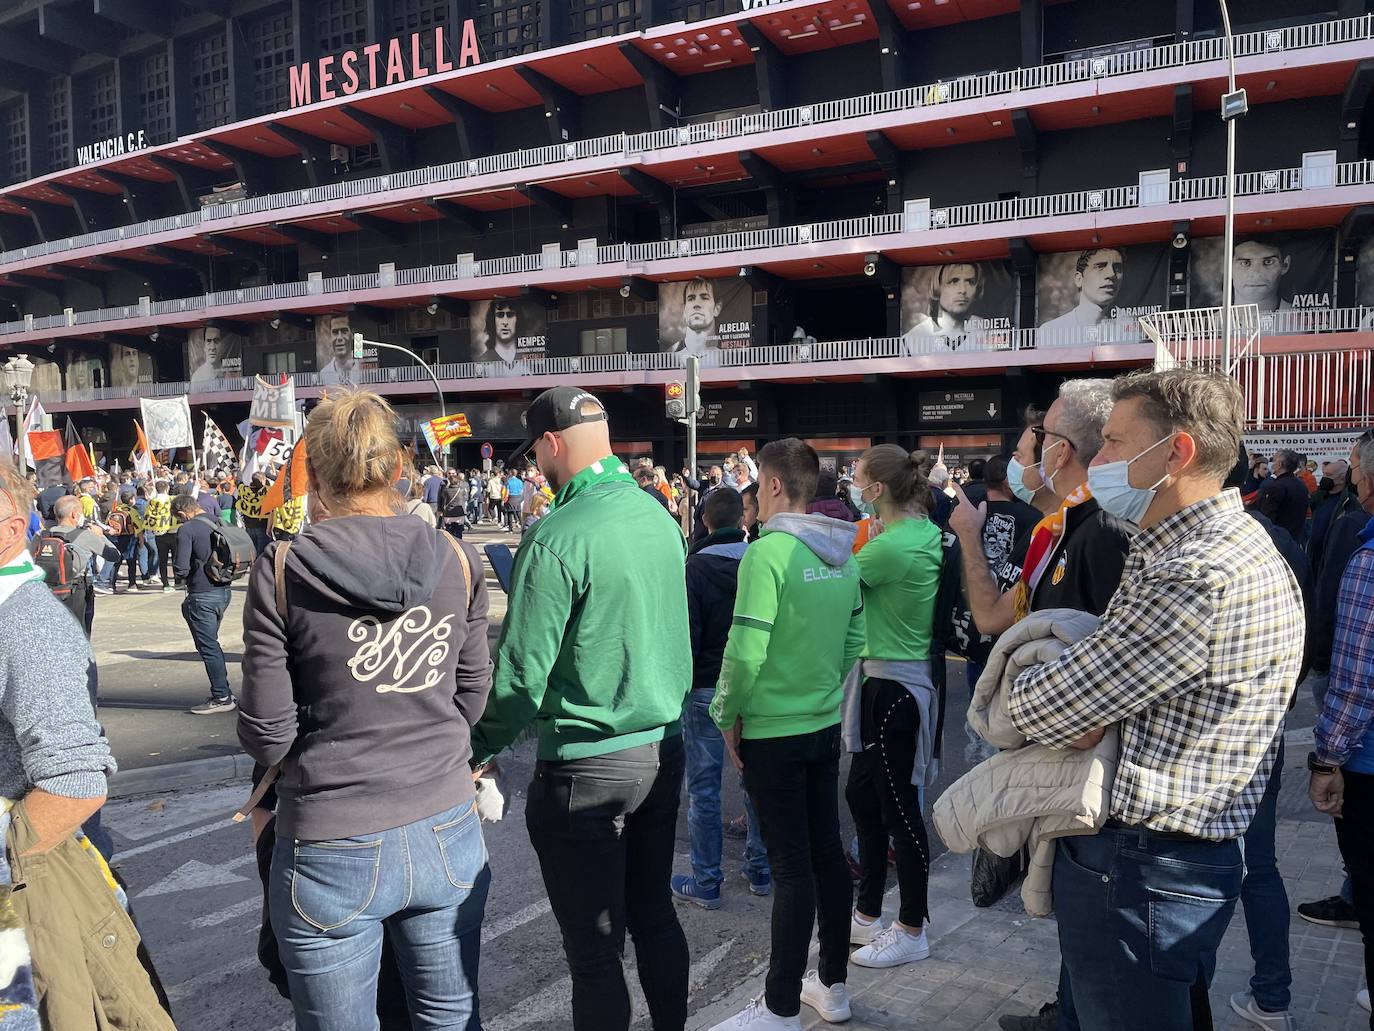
(758, 1017)
(831, 1003)
(892, 948)
(1247, 1009)
(861, 933)
(1362, 997)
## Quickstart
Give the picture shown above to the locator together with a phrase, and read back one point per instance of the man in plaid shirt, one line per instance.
(1342, 778)
(1195, 659)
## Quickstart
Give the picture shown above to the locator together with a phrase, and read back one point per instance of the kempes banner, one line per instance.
(508, 329)
(212, 353)
(1098, 294)
(703, 316)
(945, 307)
(1279, 272)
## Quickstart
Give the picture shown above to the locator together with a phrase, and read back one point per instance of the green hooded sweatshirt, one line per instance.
(594, 648)
(798, 629)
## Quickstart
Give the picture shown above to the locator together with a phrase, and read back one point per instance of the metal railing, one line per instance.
(1308, 387)
(625, 147)
(633, 257)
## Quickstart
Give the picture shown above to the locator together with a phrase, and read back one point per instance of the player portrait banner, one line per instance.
(167, 422)
(213, 353)
(446, 429)
(274, 404)
(960, 304)
(129, 367)
(334, 352)
(703, 316)
(1097, 295)
(1290, 277)
(509, 330)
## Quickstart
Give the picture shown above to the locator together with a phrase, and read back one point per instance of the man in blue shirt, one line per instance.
(515, 487)
(1342, 766)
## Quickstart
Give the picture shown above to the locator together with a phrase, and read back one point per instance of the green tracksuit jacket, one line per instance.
(594, 648)
(797, 631)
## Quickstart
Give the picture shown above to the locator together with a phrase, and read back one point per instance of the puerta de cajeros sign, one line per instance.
(379, 64)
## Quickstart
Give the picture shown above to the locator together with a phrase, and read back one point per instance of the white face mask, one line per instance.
(1111, 487)
(1046, 477)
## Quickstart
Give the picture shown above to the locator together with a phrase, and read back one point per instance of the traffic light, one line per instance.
(692, 400)
(676, 407)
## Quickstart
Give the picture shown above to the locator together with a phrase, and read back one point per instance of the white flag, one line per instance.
(167, 422)
(6, 441)
(33, 423)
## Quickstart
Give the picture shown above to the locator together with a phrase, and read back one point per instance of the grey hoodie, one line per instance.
(366, 693)
(832, 540)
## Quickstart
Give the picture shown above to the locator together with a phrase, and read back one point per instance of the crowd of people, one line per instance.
(1135, 635)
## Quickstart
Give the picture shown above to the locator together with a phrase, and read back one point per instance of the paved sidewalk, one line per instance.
(986, 962)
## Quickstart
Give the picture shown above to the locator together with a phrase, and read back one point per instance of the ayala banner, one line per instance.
(380, 64)
(1278, 272)
(704, 316)
(1098, 294)
(946, 306)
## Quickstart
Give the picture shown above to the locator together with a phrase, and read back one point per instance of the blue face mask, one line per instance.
(1016, 478)
(856, 495)
(1111, 487)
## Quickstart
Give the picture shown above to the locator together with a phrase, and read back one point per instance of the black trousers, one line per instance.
(885, 803)
(166, 557)
(604, 829)
(1355, 836)
(794, 783)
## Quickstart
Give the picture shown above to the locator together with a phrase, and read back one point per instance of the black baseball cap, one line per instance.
(556, 409)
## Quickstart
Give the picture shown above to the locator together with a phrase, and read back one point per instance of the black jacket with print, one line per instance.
(367, 692)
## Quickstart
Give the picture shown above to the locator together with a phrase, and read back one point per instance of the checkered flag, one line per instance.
(216, 452)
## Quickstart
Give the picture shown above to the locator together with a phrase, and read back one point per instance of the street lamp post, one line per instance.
(359, 343)
(1233, 104)
(17, 375)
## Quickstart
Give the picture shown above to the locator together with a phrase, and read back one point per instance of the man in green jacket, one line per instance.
(798, 629)
(595, 652)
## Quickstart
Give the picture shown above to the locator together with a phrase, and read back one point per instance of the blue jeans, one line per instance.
(427, 882)
(1266, 902)
(705, 758)
(1140, 918)
(147, 563)
(204, 612)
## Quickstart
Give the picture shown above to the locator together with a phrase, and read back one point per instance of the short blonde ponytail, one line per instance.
(352, 447)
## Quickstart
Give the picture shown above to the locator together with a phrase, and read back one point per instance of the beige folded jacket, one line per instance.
(1029, 794)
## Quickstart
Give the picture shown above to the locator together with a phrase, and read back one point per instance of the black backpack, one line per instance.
(62, 569)
(231, 554)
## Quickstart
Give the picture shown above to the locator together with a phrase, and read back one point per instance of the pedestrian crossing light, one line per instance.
(676, 407)
(358, 346)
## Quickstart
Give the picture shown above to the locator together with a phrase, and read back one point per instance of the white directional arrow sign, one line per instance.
(992, 410)
(196, 874)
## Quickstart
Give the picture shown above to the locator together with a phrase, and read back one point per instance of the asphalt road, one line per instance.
(193, 880)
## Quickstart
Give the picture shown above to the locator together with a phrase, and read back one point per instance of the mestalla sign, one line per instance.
(378, 64)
